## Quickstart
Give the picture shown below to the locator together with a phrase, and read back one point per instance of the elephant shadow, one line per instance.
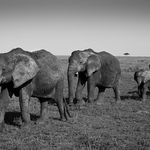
(128, 97)
(134, 96)
(14, 118)
(52, 101)
(85, 99)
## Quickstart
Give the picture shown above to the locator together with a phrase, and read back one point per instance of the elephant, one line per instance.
(31, 74)
(106, 73)
(77, 68)
(103, 71)
(142, 77)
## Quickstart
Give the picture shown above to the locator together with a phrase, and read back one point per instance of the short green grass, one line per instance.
(110, 126)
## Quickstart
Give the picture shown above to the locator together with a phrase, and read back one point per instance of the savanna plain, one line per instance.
(109, 126)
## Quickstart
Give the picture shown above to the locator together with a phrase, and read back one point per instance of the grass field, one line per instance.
(110, 126)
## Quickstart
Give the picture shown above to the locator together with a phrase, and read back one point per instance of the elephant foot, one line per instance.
(63, 119)
(118, 101)
(80, 104)
(26, 125)
(99, 103)
(90, 101)
(143, 100)
(40, 121)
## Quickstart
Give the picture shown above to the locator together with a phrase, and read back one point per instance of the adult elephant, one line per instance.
(30, 74)
(77, 62)
(103, 71)
(142, 77)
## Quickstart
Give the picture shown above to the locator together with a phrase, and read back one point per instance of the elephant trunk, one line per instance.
(71, 73)
(89, 72)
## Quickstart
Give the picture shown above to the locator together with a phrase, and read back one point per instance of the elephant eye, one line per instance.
(3, 69)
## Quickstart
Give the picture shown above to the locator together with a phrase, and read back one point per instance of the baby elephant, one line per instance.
(31, 74)
(142, 77)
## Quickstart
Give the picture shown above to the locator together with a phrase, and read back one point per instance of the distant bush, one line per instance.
(126, 54)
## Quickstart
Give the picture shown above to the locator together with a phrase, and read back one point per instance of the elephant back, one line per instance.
(11, 56)
(110, 69)
(110, 62)
(48, 62)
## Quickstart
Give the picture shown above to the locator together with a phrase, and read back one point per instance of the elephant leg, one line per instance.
(100, 96)
(24, 105)
(140, 91)
(80, 85)
(43, 110)
(144, 90)
(59, 99)
(91, 88)
(4, 101)
(117, 93)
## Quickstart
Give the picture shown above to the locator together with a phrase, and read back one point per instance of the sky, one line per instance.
(62, 26)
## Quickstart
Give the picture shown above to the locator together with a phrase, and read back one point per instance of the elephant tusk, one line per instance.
(76, 74)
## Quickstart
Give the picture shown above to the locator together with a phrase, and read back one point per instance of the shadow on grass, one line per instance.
(134, 96)
(75, 101)
(130, 97)
(51, 101)
(14, 118)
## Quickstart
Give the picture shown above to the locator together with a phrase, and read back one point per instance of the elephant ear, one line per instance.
(146, 76)
(85, 54)
(25, 69)
(93, 64)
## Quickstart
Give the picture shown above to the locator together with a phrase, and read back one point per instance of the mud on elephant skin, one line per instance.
(31, 74)
(103, 71)
(142, 77)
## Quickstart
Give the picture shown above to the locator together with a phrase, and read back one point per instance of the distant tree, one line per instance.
(126, 54)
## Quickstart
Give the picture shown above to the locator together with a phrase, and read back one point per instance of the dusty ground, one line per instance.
(121, 126)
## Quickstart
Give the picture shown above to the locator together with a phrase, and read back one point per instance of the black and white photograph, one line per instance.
(74, 74)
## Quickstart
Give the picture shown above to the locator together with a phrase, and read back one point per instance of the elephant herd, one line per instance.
(40, 74)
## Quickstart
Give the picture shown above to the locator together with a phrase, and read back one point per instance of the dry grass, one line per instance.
(110, 126)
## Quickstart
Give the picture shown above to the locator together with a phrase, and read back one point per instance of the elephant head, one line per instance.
(77, 62)
(18, 68)
(142, 76)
